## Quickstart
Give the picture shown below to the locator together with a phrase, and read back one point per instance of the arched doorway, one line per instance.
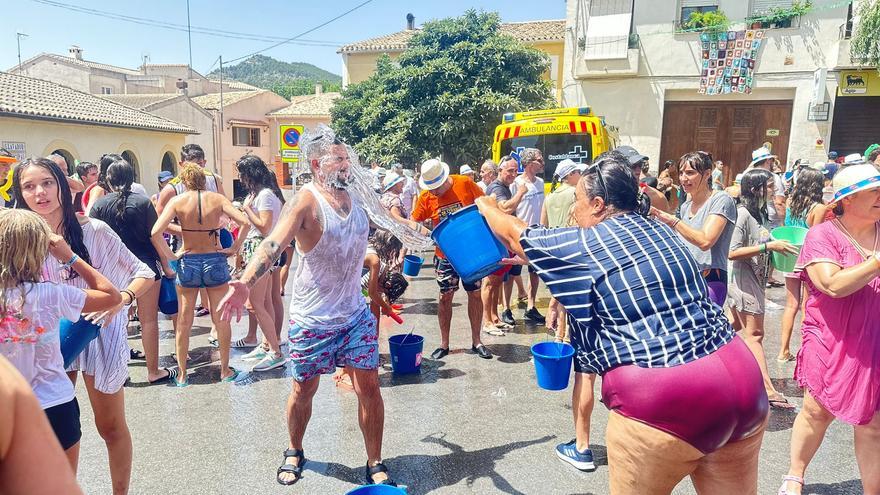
(133, 161)
(169, 164)
(71, 163)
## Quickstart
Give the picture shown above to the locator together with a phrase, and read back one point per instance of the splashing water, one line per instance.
(341, 169)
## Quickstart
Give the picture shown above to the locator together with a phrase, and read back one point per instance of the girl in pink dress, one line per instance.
(839, 362)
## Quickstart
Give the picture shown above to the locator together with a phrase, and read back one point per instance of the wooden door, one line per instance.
(728, 130)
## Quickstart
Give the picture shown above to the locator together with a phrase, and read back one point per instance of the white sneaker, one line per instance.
(270, 362)
(257, 354)
(772, 306)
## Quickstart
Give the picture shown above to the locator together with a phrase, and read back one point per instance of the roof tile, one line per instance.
(211, 101)
(529, 32)
(310, 105)
(22, 96)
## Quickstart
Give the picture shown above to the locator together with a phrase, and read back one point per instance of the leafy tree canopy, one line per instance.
(444, 95)
(864, 47)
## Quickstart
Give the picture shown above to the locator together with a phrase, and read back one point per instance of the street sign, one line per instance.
(289, 142)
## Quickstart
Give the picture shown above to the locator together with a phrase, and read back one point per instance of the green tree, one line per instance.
(864, 47)
(444, 95)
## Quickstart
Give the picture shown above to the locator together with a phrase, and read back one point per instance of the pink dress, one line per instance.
(839, 361)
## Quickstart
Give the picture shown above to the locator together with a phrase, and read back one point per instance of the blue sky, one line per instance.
(52, 29)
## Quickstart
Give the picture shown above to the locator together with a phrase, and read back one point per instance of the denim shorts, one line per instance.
(315, 351)
(195, 271)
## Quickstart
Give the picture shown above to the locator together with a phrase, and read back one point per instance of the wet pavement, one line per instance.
(463, 425)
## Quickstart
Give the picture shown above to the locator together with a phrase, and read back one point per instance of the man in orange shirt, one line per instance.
(442, 195)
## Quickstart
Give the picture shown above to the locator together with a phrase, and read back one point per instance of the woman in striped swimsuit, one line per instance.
(40, 186)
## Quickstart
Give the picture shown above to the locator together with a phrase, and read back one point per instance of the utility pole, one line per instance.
(220, 127)
(18, 37)
(189, 37)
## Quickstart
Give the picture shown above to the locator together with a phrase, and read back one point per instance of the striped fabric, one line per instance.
(633, 293)
(106, 357)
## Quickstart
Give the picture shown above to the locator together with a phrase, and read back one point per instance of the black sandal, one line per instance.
(378, 468)
(296, 471)
(136, 354)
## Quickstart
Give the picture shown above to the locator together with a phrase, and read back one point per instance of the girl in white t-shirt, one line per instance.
(31, 310)
(263, 208)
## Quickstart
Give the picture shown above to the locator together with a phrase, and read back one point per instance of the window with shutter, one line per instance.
(608, 29)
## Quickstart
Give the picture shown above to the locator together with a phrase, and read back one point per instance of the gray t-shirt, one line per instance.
(720, 203)
(499, 190)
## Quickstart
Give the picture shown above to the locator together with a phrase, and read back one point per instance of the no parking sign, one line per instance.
(289, 139)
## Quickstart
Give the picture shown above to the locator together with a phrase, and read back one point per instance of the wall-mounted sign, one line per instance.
(858, 83)
(819, 77)
(19, 150)
(772, 133)
(820, 112)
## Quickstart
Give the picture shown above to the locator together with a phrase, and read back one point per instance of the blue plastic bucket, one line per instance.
(168, 296)
(465, 239)
(412, 264)
(406, 352)
(75, 337)
(552, 364)
(226, 239)
(377, 490)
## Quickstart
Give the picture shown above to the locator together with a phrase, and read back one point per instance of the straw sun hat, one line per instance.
(854, 179)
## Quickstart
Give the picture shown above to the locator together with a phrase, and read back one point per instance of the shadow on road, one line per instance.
(431, 372)
(853, 487)
(424, 473)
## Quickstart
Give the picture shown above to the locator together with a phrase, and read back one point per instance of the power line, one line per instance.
(349, 11)
(219, 33)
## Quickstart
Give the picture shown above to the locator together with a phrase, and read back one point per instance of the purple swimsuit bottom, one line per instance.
(708, 403)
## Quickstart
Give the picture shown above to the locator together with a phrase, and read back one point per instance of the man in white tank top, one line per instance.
(333, 324)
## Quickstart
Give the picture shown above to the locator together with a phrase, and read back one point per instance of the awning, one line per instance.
(252, 123)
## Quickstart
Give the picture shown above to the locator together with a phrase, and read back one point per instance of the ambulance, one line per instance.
(560, 133)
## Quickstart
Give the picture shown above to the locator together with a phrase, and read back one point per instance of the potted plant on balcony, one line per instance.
(779, 17)
(715, 20)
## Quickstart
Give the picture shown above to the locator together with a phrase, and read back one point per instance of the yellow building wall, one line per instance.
(88, 142)
(358, 67)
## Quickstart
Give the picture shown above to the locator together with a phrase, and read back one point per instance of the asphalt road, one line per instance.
(463, 425)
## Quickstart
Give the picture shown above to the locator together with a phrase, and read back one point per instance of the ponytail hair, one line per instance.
(119, 178)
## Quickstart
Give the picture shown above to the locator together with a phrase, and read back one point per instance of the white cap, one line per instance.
(567, 166)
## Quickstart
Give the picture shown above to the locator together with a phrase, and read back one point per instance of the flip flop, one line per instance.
(780, 402)
(184, 383)
(232, 377)
(136, 354)
(344, 382)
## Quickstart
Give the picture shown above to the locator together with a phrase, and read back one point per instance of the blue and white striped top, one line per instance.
(633, 293)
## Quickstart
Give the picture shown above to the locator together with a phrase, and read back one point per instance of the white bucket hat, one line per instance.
(853, 179)
(567, 166)
(761, 154)
(391, 179)
(434, 174)
(465, 169)
(854, 159)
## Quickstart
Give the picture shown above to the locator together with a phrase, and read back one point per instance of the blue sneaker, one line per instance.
(581, 460)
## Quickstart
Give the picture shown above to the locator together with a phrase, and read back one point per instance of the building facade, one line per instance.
(307, 111)
(633, 62)
(242, 127)
(39, 118)
(178, 108)
(359, 59)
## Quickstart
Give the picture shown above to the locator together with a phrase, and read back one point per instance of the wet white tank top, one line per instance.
(327, 282)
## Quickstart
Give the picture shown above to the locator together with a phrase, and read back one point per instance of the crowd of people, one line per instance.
(659, 284)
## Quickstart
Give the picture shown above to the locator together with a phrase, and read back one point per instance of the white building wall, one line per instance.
(61, 73)
(666, 66)
(189, 114)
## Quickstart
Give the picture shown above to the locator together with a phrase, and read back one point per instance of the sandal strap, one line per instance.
(378, 468)
(290, 468)
(795, 479)
(298, 453)
(172, 372)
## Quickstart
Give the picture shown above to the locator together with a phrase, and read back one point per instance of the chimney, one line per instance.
(410, 22)
(319, 88)
(75, 52)
(181, 86)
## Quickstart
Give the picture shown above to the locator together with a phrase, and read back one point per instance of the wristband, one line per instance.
(675, 223)
(71, 262)
(131, 296)
(764, 247)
